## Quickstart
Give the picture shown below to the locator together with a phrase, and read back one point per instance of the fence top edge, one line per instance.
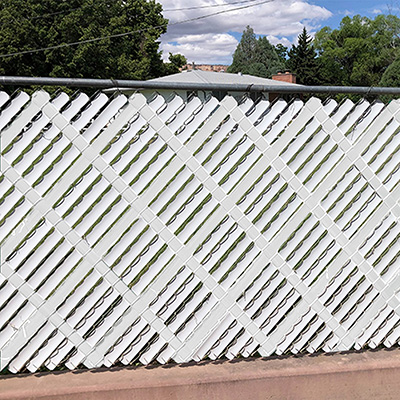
(126, 85)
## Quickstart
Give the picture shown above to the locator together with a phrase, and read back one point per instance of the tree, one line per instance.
(256, 69)
(281, 51)
(303, 60)
(391, 77)
(359, 51)
(243, 55)
(255, 56)
(176, 61)
(35, 24)
(265, 53)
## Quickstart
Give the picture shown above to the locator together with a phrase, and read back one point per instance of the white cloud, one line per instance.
(377, 11)
(346, 13)
(203, 48)
(283, 40)
(211, 39)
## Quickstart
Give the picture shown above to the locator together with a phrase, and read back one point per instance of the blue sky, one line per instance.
(213, 40)
(341, 8)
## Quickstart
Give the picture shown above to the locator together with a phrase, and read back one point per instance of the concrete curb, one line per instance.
(359, 375)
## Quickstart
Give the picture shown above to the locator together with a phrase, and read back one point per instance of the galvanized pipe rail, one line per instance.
(151, 85)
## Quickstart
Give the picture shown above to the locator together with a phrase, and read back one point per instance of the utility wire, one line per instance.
(164, 10)
(48, 15)
(42, 16)
(132, 32)
(208, 6)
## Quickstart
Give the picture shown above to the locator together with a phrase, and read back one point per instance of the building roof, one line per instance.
(209, 77)
(198, 76)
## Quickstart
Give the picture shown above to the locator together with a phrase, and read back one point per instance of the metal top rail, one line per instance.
(136, 85)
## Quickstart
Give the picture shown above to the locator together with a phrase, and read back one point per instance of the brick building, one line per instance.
(205, 67)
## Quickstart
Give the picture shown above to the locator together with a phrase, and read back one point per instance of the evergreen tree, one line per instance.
(266, 54)
(281, 51)
(244, 53)
(303, 60)
(255, 56)
(256, 69)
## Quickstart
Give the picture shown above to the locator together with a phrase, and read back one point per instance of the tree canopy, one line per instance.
(281, 51)
(255, 56)
(303, 60)
(35, 24)
(391, 77)
(359, 51)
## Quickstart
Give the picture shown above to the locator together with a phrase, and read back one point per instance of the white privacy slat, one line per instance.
(21, 146)
(91, 111)
(155, 267)
(212, 143)
(31, 347)
(29, 244)
(12, 109)
(38, 256)
(370, 333)
(352, 117)
(51, 155)
(59, 268)
(138, 344)
(372, 112)
(13, 223)
(75, 105)
(104, 117)
(198, 117)
(174, 103)
(137, 230)
(128, 338)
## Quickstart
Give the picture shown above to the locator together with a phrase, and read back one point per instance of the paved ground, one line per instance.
(362, 375)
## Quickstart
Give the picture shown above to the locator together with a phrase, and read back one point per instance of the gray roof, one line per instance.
(209, 77)
(198, 76)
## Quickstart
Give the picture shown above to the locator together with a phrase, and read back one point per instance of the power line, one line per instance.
(132, 32)
(164, 10)
(21, 19)
(222, 12)
(49, 14)
(208, 6)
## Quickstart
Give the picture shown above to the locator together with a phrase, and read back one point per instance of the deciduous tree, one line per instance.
(176, 61)
(391, 77)
(359, 51)
(36, 24)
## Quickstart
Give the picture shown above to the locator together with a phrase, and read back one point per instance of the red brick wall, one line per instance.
(285, 77)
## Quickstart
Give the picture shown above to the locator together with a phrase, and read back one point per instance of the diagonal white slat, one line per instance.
(135, 230)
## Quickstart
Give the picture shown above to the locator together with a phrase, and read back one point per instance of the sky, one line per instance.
(213, 40)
